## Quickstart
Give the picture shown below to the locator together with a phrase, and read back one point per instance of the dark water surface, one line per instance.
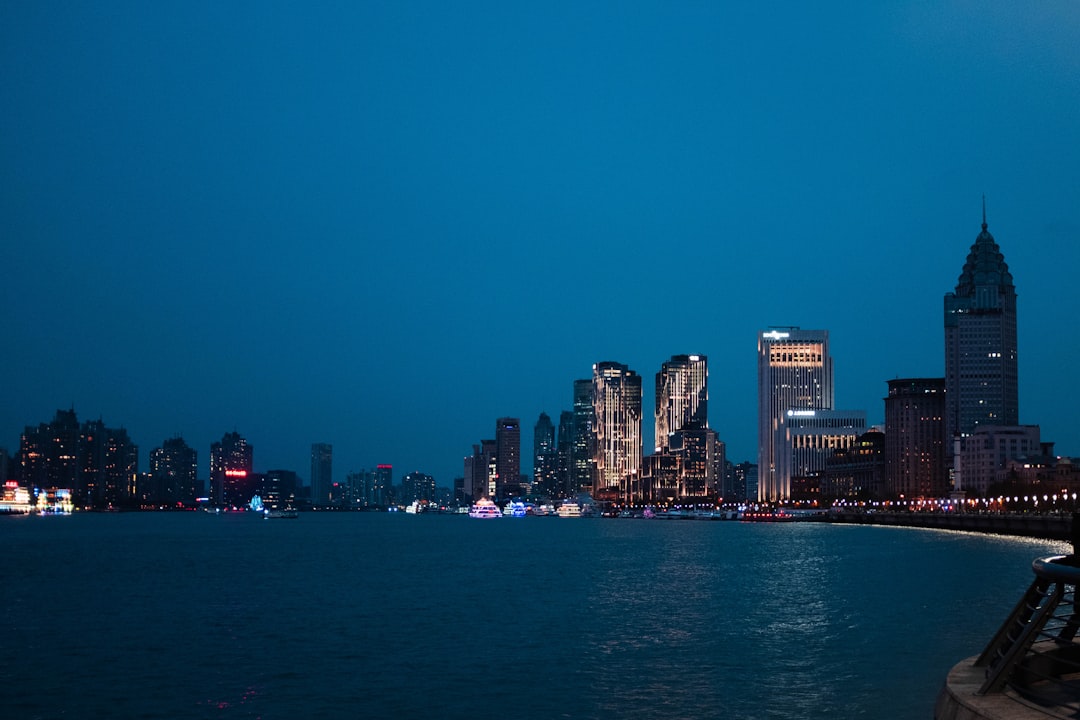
(368, 615)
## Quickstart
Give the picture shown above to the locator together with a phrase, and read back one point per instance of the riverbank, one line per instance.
(1046, 527)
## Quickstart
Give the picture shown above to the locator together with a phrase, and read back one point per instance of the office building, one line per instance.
(564, 452)
(981, 383)
(986, 455)
(583, 454)
(807, 440)
(857, 471)
(916, 455)
(795, 373)
(545, 456)
(508, 457)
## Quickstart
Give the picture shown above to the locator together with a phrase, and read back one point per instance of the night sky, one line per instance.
(384, 225)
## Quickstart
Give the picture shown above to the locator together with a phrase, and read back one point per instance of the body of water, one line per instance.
(365, 615)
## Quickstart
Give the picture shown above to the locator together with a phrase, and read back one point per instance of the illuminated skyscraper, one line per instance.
(232, 478)
(981, 384)
(795, 372)
(582, 453)
(682, 396)
(617, 428)
(544, 455)
(322, 471)
(508, 458)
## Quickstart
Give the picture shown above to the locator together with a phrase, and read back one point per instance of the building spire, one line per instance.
(984, 212)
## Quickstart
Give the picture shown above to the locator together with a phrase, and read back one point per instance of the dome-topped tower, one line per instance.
(980, 342)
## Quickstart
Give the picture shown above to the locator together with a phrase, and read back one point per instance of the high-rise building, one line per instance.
(322, 471)
(545, 460)
(232, 477)
(508, 457)
(98, 464)
(174, 471)
(383, 491)
(795, 372)
(417, 486)
(682, 396)
(916, 451)
(49, 453)
(360, 489)
(108, 465)
(617, 429)
(981, 383)
(582, 452)
(564, 449)
(278, 489)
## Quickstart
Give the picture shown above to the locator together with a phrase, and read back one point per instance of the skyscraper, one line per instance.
(322, 472)
(795, 372)
(682, 396)
(564, 453)
(617, 428)
(981, 384)
(383, 492)
(508, 458)
(582, 454)
(544, 454)
(232, 478)
(173, 474)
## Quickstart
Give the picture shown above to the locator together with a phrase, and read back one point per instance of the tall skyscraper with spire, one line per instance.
(981, 384)
(795, 373)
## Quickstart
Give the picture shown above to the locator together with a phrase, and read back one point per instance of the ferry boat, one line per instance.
(515, 508)
(569, 509)
(485, 509)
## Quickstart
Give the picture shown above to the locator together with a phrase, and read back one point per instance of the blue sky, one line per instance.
(384, 225)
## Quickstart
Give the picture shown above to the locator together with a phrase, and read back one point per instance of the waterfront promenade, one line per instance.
(1049, 526)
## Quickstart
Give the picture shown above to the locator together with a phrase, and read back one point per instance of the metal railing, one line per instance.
(1035, 652)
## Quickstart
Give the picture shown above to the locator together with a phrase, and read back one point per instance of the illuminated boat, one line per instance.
(484, 509)
(569, 509)
(280, 514)
(515, 508)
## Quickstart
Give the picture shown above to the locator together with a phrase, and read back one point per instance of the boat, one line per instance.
(515, 508)
(280, 513)
(413, 508)
(485, 509)
(569, 509)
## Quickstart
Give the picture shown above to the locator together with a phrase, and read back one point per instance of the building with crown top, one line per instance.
(981, 384)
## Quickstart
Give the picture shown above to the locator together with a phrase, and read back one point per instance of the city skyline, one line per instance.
(304, 224)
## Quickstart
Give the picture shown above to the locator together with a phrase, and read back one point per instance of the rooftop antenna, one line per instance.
(984, 211)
